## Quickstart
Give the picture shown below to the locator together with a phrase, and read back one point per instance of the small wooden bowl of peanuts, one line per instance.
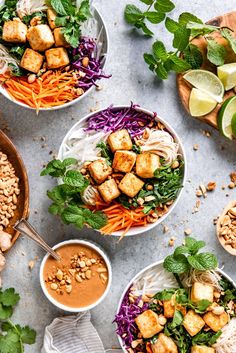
(226, 228)
(14, 187)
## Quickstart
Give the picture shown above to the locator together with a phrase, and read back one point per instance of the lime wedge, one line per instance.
(225, 116)
(200, 103)
(207, 82)
(227, 75)
(233, 125)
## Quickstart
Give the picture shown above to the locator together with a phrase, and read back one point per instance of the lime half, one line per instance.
(227, 75)
(233, 125)
(225, 117)
(200, 103)
(207, 82)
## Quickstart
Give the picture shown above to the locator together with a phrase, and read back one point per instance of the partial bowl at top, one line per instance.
(67, 76)
(90, 139)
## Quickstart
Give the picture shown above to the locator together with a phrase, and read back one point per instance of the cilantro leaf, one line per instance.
(27, 335)
(5, 312)
(9, 297)
(10, 343)
(84, 10)
(216, 53)
(166, 294)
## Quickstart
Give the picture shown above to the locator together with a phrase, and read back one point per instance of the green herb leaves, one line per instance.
(206, 338)
(155, 13)
(66, 197)
(70, 18)
(187, 257)
(13, 337)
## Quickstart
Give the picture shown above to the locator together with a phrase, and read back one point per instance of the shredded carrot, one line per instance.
(148, 347)
(53, 88)
(121, 218)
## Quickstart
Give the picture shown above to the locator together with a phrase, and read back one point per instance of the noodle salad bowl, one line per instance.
(188, 310)
(51, 57)
(126, 166)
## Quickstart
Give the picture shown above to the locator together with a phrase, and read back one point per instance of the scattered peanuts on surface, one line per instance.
(9, 191)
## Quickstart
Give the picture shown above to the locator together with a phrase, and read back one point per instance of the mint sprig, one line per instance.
(188, 257)
(66, 197)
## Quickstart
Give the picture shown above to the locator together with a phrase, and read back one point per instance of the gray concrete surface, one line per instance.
(131, 80)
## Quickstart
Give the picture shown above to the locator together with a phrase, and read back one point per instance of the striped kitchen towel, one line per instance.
(72, 334)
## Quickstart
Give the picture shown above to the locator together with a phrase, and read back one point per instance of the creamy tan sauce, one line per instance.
(87, 290)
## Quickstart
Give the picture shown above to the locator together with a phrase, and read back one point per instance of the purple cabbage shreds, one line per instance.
(111, 119)
(93, 72)
(126, 327)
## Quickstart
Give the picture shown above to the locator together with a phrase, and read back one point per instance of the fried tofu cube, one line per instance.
(170, 306)
(109, 190)
(124, 161)
(130, 185)
(40, 37)
(57, 57)
(31, 60)
(148, 324)
(14, 31)
(193, 322)
(60, 40)
(202, 349)
(146, 164)
(201, 291)
(164, 344)
(120, 140)
(99, 170)
(51, 16)
(216, 322)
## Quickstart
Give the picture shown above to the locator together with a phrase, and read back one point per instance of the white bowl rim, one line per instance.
(3, 91)
(139, 230)
(89, 244)
(157, 263)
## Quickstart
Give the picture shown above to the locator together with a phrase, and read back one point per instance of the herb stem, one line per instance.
(178, 280)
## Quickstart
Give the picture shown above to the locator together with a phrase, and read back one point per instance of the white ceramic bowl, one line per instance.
(105, 49)
(158, 264)
(67, 308)
(137, 230)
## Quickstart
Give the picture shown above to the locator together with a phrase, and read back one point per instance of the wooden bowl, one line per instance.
(184, 88)
(22, 211)
(228, 248)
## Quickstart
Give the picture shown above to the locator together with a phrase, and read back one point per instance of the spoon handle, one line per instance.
(27, 229)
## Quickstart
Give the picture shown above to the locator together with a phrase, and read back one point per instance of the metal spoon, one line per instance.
(27, 229)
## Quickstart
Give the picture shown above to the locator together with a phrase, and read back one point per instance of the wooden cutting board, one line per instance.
(22, 211)
(227, 20)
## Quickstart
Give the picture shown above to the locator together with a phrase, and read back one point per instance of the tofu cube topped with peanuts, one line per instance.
(124, 161)
(109, 190)
(99, 170)
(40, 37)
(131, 185)
(120, 140)
(14, 31)
(148, 324)
(146, 164)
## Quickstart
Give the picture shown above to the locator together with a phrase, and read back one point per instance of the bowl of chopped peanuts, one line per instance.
(226, 228)
(14, 187)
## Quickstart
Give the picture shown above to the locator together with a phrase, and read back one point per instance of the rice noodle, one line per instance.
(154, 280)
(226, 343)
(161, 143)
(28, 7)
(6, 59)
(82, 145)
(206, 277)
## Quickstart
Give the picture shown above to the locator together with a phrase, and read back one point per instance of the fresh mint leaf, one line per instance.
(96, 220)
(181, 250)
(216, 53)
(147, 2)
(198, 29)
(154, 17)
(69, 161)
(133, 14)
(227, 34)
(59, 7)
(177, 319)
(57, 195)
(186, 17)
(159, 51)
(176, 264)
(164, 5)
(181, 38)
(171, 25)
(203, 261)
(150, 60)
(202, 306)
(55, 209)
(144, 28)
(76, 179)
(178, 64)
(161, 71)
(193, 56)
(61, 21)
(73, 215)
(9, 297)
(54, 168)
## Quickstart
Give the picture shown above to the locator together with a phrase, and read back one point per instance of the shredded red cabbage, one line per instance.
(126, 327)
(93, 72)
(112, 119)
